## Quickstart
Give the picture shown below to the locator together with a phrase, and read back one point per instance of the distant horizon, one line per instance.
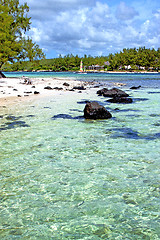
(91, 27)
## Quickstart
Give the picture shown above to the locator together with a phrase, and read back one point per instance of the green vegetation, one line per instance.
(129, 59)
(14, 23)
(135, 59)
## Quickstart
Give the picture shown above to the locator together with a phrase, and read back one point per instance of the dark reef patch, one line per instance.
(83, 101)
(14, 124)
(154, 115)
(133, 115)
(76, 110)
(66, 116)
(30, 116)
(157, 124)
(140, 99)
(157, 135)
(153, 92)
(126, 110)
(129, 133)
(13, 118)
(125, 133)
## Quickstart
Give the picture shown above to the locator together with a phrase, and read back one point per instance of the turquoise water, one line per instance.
(64, 177)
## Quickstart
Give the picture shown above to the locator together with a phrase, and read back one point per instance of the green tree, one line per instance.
(14, 23)
(30, 50)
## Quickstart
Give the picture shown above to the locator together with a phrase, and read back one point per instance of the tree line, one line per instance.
(128, 59)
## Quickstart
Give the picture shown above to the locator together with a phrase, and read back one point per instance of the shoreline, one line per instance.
(87, 71)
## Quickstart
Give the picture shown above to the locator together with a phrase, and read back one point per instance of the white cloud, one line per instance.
(125, 12)
(91, 27)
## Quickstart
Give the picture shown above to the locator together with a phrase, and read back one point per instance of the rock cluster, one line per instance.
(117, 95)
(94, 110)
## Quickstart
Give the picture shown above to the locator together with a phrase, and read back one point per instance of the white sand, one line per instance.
(13, 90)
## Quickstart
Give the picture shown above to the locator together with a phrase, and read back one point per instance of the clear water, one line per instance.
(64, 177)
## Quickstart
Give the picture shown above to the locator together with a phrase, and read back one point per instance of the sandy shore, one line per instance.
(14, 90)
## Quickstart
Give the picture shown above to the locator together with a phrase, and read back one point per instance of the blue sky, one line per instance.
(94, 27)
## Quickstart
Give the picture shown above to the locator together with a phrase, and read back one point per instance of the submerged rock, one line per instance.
(118, 99)
(94, 110)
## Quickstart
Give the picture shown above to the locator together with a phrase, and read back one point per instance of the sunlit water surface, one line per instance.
(64, 177)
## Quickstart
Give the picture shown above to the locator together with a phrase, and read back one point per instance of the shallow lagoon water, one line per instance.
(71, 178)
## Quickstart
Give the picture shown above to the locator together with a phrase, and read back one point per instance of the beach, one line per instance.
(15, 90)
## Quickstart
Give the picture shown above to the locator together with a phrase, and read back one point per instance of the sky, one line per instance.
(93, 27)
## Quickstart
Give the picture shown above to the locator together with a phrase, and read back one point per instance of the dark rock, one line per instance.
(115, 92)
(48, 87)
(94, 110)
(35, 92)
(28, 92)
(112, 92)
(58, 88)
(15, 89)
(79, 88)
(135, 87)
(66, 84)
(118, 99)
(19, 96)
(33, 86)
(102, 91)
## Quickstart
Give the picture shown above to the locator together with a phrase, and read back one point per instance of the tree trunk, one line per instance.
(2, 75)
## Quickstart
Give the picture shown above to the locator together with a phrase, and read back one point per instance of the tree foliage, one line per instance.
(14, 23)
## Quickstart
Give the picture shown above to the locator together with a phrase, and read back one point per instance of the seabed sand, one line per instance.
(14, 90)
